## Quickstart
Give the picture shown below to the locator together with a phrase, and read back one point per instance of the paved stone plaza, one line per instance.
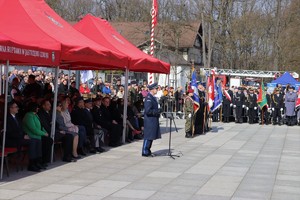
(234, 161)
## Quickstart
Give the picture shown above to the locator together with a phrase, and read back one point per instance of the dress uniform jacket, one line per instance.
(290, 103)
(151, 118)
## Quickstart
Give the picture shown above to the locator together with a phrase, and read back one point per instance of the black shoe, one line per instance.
(81, 152)
(40, 166)
(148, 155)
(76, 157)
(188, 135)
(115, 144)
(93, 151)
(33, 168)
(100, 150)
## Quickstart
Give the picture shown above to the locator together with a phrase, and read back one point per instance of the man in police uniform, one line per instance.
(227, 103)
(239, 104)
(277, 106)
(151, 120)
(188, 111)
(252, 106)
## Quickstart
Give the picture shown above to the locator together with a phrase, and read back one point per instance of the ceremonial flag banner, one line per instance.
(262, 99)
(211, 91)
(218, 97)
(298, 100)
(194, 87)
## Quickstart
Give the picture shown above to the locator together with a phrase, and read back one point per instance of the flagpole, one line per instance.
(262, 116)
(153, 23)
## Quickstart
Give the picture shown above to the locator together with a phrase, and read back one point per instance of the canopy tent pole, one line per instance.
(54, 111)
(69, 81)
(125, 105)
(1, 79)
(5, 117)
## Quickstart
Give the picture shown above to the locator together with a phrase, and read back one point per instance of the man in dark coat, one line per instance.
(277, 106)
(45, 116)
(108, 122)
(239, 104)
(252, 106)
(15, 136)
(227, 103)
(151, 120)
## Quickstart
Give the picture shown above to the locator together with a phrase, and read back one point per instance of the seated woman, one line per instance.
(69, 138)
(32, 126)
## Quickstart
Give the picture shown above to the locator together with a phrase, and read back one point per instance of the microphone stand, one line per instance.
(170, 116)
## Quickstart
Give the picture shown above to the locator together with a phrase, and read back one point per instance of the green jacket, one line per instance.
(32, 126)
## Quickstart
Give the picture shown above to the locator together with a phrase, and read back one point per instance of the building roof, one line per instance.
(138, 33)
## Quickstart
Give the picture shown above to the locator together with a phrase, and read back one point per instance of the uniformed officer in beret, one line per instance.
(189, 111)
(151, 120)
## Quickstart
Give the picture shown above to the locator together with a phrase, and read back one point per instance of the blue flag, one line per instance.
(195, 88)
(218, 97)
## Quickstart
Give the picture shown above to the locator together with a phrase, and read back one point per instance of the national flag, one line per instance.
(211, 91)
(154, 11)
(86, 75)
(218, 97)
(298, 100)
(262, 99)
(194, 87)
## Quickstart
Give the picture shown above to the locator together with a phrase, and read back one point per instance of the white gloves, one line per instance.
(234, 106)
(281, 109)
(255, 108)
(243, 106)
(231, 105)
(247, 108)
(273, 109)
(269, 109)
(190, 115)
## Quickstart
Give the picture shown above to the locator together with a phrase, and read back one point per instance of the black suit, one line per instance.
(115, 130)
(47, 141)
(14, 133)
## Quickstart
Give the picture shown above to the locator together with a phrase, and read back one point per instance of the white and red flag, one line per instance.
(298, 100)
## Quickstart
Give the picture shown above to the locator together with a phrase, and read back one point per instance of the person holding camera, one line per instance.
(151, 120)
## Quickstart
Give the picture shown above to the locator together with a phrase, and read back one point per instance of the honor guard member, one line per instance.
(188, 111)
(277, 106)
(239, 104)
(227, 103)
(200, 122)
(151, 120)
(252, 106)
(266, 110)
(290, 104)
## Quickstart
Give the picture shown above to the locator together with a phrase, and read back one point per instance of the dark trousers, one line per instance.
(147, 147)
(115, 134)
(46, 149)
(252, 115)
(238, 113)
(68, 145)
(276, 115)
(35, 149)
(82, 136)
(226, 110)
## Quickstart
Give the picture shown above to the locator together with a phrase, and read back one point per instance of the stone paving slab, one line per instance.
(232, 162)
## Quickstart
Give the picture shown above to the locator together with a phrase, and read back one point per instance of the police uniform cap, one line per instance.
(88, 101)
(240, 88)
(78, 99)
(227, 85)
(292, 87)
(97, 99)
(152, 86)
(250, 89)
